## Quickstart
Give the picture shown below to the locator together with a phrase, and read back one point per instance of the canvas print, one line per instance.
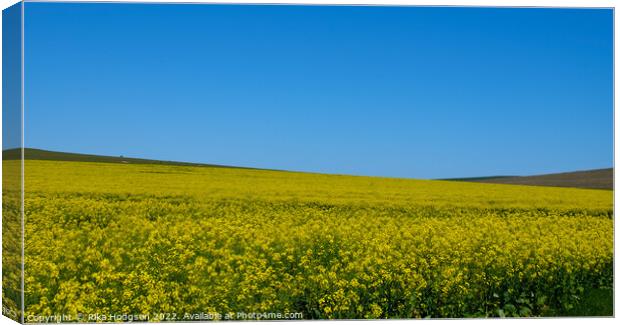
(197, 162)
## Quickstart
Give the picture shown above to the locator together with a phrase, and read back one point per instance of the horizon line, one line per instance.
(203, 164)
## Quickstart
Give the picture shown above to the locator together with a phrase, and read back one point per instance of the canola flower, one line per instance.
(136, 239)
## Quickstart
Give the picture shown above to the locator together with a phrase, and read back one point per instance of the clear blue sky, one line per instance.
(11, 77)
(390, 91)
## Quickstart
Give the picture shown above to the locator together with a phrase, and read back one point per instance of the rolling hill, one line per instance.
(594, 179)
(591, 179)
(38, 154)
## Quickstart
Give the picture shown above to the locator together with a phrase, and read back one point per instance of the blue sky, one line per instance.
(11, 77)
(391, 91)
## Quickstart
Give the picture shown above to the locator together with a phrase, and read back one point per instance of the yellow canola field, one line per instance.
(176, 240)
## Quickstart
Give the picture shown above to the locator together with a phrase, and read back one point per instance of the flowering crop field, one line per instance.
(176, 240)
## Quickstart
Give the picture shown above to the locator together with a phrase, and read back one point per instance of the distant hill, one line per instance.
(38, 154)
(595, 179)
